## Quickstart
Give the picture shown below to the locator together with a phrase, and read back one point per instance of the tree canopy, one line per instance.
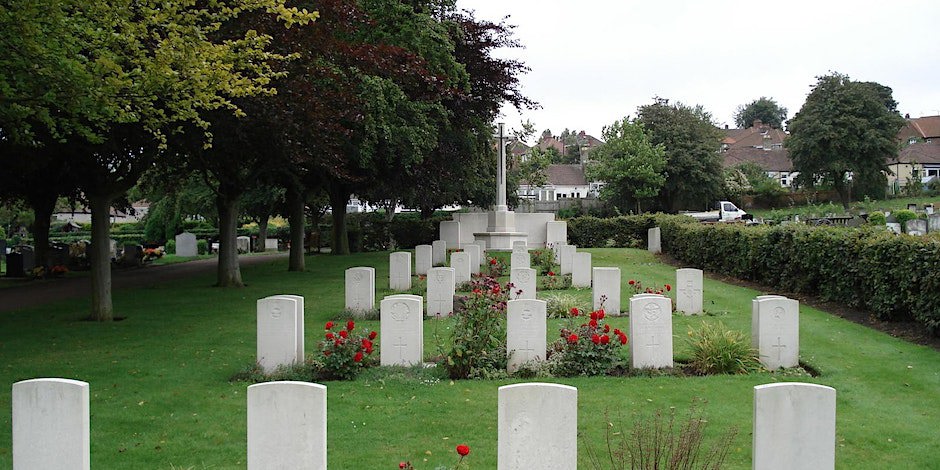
(846, 130)
(632, 168)
(763, 108)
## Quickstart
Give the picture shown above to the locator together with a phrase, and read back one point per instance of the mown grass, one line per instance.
(161, 395)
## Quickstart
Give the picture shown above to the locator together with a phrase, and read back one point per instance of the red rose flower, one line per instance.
(350, 325)
(357, 357)
(593, 315)
(617, 331)
(327, 352)
(329, 325)
(606, 328)
(366, 343)
(623, 339)
(402, 465)
(330, 336)
(368, 350)
(463, 450)
(595, 338)
(477, 291)
(668, 288)
(593, 323)
(344, 334)
(632, 282)
(492, 260)
(605, 339)
(601, 314)
(649, 290)
(574, 311)
(573, 338)
(551, 273)
(373, 335)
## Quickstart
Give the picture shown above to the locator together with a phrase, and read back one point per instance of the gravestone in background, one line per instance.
(438, 252)
(933, 223)
(399, 270)
(277, 332)
(441, 291)
(778, 332)
(300, 323)
(243, 244)
(917, 227)
(654, 242)
(360, 289)
(423, 259)
(186, 244)
(473, 251)
(460, 261)
(566, 258)
(520, 258)
(755, 318)
(270, 244)
(525, 332)
(537, 427)
(286, 426)
(450, 233)
(581, 270)
(607, 290)
(794, 427)
(401, 339)
(525, 280)
(689, 285)
(51, 424)
(650, 332)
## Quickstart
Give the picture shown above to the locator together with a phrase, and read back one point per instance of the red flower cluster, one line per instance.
(463, 450)
(638, 288)
(575, 312)
(621, 335)
(342, 345)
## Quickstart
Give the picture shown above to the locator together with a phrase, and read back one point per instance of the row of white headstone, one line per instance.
(794, 426)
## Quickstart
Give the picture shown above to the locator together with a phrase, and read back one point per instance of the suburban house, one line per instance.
(563, 181)
(761, 145)
(919, 158)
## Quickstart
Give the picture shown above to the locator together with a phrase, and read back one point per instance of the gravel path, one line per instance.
(26, 294)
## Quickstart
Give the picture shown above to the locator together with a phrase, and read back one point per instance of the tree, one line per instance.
(844, 129)
(694, 177)
(763, 108)
(632, 167)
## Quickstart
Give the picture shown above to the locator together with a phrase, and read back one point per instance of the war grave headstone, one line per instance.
(689, 284)
(401, 336)
(399, 270)
(581, 270)
(473, 252)
(520, 258)
(537, 427)
(606, 290)
(566, 258)
(526, 331)
(438, 252)
(460, 261)
(277, 332)
(651, 332)
(186, 244)
(423, 259)
(654, 242)
(525, 280)
(360, 289)
(51, 424)
(441, 291)
(286, 425)
(794, 427)
(778, 332)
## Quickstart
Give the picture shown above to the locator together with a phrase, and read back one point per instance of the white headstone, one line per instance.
(450, 233)
(794, 427)
(51, 425)
(650, 332)
(441, 291)
(933, 223)
(300, 323)
(928, 209)
(519, 245)
(525, 280)
(243, 244)
(286, 425)
(482, 245)
(270, 244)
(520, 258)
(654, 245)
(401, 336)
(755, 318)
(438, 253)
(556, 233)
(423, 259)
(360, 289)
(566, 258)
(607, 287)
(525, 332)
(916, 227)
(473, 251)
(186, 244)
(460, 261)
(277, 332)
(112, 248)
(689, 285)
(581, 270)
(537, 427)
(894, 227)
(399, 270)
(778, 332)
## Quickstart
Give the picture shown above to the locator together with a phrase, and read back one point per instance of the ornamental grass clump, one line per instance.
(718, 350)
(344, 352)
(478, 346)
(588, 348)
(559, 305)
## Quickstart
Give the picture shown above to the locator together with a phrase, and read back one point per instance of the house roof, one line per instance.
(924, 127)
(768, 160)
(566, 175)
(921, 152)
(759, 135)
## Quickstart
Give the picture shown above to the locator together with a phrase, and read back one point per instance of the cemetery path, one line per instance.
(29, 294)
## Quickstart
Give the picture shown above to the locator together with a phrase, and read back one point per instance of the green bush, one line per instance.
(586, 346)
(626, 231)
(478, 347)
(170, 247)
(202, 246)
(877, 218)
(717, 350)
(903, 216)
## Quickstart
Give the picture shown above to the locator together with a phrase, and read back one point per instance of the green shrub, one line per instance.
(903, 216)
(344, 351)
(478, 346)
(559, 305)
(717, 350)
(170, 247)
(542, 260)
(586, 346)
(202, 246)
(877, 218)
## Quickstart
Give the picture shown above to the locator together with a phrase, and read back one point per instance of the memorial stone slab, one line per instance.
(566, 258)
(482, 245)
(300, 323)
(794, 427)
(526, 331)
(270, 244)
(654, 242)
(243, 244)
(277, 332)
(132, 255)
(537, 427)
(423, 259)
(778, 332)
(438, 253)
(51, 424)
(520, 258)
(473, 251)
(917, 227)
(525, 280)
(360, 289)
(933, 223)
(450, 233)
(755, 318)
(650, 332)
(460, 261)
(519, 245)
(894, 227)
(689, 284)
(556, 233)
(928, 209)
(441, 292)
(606, 290)
(581, 270)
(286, 426)
(399, 270)
(401, 336)
(186, 244)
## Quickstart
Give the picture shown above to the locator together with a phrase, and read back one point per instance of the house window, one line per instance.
(912, 140)
(915, 173)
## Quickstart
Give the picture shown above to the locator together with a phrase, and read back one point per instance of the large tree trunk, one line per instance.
(42, 206)
(338, 200)
(229, 273)
(842, 187)
(262, 233)
(100, 258)
(295, 201)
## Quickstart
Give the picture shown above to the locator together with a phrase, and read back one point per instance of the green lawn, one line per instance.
(160, 395)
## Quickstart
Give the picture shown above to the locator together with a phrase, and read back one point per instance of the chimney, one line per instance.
(726, 126)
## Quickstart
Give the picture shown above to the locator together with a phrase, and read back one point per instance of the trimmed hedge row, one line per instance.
(893, 276)
(626, 231)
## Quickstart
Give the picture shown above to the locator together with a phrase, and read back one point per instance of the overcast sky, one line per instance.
(596, 61)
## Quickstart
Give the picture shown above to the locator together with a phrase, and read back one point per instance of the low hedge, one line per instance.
(892, 276)
(627, 231)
